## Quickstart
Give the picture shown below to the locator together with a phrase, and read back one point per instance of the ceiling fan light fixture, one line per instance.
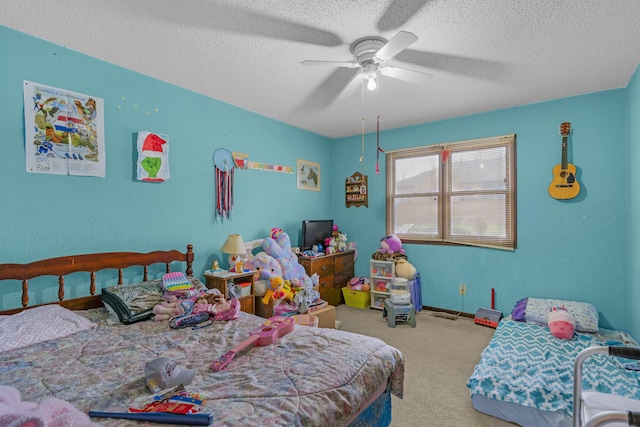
(371, 80)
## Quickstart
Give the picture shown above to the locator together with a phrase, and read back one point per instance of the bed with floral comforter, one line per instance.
(309, 377)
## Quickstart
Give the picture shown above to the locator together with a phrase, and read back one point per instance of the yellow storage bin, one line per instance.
(358, 299)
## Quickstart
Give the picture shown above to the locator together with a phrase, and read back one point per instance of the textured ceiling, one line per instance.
(483, 54)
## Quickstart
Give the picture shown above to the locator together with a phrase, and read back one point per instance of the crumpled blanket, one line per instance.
(52, 412)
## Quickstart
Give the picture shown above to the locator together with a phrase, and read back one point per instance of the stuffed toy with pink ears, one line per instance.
(391, 244)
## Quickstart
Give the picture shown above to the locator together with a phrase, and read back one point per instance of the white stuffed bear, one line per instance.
(342, 242)
(332, 246)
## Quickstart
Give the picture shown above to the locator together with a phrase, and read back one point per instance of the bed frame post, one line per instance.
(189, 270)
(25, 293)
(60, 288)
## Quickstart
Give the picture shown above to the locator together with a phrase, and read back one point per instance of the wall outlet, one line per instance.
(462, 288)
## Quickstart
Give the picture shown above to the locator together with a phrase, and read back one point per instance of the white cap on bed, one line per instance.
(163, 373)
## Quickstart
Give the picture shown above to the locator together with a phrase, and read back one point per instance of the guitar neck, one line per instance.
(564, 152)
(249, 342)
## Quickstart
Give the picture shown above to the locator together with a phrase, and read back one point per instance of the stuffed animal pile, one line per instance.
(196, 309)
(360, 284)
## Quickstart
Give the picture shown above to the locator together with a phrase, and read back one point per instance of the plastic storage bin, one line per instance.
(358, 299)
(399, 284)
(245, 288)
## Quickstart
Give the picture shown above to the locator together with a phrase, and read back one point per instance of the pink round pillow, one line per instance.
(561, 324)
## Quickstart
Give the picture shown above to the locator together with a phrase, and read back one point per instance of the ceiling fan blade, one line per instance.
(416, 77)
(326, 92)
(397, 44)
(235, 19)
(332, 63)
(351, 87)
(398, 13)
(466, 66)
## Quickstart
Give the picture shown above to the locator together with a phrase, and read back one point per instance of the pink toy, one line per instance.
(280, 249)
(167, 310)
(49, 412)
(391, 244)
(561, 324)
(268, 333)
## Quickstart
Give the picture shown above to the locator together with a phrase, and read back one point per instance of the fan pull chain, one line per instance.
(362, 157)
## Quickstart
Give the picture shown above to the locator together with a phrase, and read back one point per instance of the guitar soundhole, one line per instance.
(568, 176)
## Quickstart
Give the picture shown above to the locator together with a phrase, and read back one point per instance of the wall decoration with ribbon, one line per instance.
(224, 166)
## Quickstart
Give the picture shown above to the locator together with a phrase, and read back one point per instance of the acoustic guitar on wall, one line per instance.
(565, 184)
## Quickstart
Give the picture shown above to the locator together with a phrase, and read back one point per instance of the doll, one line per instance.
(214, 303)
(211, 303)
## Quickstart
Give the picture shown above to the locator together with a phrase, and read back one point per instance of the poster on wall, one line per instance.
(153, 157)
(64, 131)
(308, 175)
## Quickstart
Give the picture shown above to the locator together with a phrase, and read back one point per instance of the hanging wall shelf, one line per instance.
(356, 191)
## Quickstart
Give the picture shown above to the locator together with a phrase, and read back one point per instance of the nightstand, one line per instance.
(220, 281)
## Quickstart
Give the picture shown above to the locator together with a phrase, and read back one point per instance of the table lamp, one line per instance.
(234, 246)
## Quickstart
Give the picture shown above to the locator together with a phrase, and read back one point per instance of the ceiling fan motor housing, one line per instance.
(365, 49)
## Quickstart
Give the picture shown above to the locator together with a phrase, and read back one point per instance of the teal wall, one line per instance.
(566, 249)
(581, 249)
(44, 216)
(633, 120)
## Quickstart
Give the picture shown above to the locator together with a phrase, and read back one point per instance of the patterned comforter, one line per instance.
(309, 377)
(526, 365)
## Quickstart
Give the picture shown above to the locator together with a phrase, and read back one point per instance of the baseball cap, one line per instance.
(164, 372)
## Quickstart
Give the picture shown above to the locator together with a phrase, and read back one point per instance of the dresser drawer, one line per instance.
(344, 263)
(333, 296)
(322, 266)
(325, 284)
(342, 279)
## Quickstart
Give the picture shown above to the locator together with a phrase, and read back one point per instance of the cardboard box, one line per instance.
(326, 317)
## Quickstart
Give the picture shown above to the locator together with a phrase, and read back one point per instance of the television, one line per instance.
(314, 231)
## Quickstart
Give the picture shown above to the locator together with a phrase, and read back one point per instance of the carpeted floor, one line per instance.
(440, 356)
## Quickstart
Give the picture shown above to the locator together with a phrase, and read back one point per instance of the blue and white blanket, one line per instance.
(524, 364)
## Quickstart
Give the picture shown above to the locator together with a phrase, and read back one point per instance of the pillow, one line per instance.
(534, 310)
(133, 303)
(39, 324)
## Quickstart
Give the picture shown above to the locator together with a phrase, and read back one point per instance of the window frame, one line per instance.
(444, 193)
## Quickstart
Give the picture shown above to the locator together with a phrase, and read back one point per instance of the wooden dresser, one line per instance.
(334, 270)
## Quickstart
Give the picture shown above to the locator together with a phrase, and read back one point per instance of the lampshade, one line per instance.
(233, 245)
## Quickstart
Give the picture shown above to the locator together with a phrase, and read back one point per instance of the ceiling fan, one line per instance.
(371, 54)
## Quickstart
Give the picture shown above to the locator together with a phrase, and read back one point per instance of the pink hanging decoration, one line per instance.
(444, 154)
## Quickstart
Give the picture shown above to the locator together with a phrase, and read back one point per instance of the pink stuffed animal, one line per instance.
(49, 412)
(391, 244)
(167, 310)
(561, 324)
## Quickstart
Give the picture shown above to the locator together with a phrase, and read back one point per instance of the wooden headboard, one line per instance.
(90, 263)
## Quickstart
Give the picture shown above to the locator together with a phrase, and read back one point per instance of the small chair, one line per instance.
(394, 313)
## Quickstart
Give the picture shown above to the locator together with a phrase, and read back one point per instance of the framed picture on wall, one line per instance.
(308, 175)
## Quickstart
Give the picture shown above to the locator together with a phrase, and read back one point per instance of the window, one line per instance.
(456, 193)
